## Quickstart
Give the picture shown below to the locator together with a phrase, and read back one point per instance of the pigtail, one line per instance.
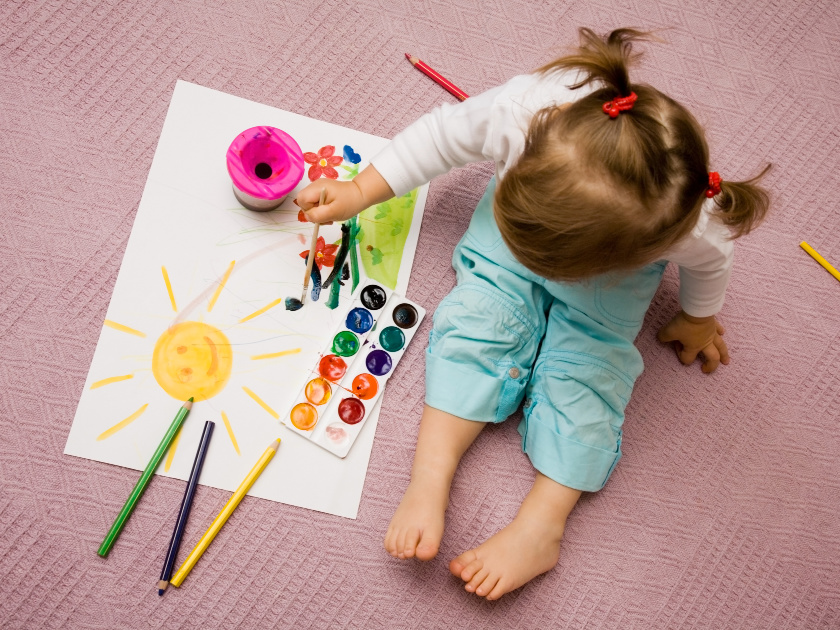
(743, 205)
(604, 59)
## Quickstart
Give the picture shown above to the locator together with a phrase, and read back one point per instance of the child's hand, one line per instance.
(696, 335)
(343, 199)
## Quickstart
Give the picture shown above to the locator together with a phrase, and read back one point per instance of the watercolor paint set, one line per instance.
(352, 371)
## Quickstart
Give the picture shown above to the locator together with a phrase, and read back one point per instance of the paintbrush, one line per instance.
(311, 259)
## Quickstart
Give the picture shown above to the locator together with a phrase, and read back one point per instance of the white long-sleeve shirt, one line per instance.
(493, 125)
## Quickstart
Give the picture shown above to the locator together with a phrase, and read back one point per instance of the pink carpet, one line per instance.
(723, 512)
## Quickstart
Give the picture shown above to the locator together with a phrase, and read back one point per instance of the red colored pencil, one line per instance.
(434, 76)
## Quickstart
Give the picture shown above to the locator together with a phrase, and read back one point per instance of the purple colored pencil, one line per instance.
(186, 504)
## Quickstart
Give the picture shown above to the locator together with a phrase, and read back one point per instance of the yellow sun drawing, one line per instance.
(192, 359)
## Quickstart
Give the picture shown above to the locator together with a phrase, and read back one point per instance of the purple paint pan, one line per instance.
(265, 164)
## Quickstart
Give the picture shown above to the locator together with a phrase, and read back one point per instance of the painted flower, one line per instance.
(322, 163)
(324, 254)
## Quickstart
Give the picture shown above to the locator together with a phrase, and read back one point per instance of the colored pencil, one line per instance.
(141, 484)
(436, 77)
(312, 246)
(224, 515)
(186, 504)
(826, 265)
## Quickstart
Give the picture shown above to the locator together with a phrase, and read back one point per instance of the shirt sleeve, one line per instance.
(705, 261)
(488, 126)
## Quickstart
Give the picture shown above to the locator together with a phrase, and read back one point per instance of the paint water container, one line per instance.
(265, 164)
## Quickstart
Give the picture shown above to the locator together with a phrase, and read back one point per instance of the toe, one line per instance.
(428, 546)
(501, 587)
(400, 546)
(477, 580)
(458, 564)
(388, 543)
(486, 587)
(471, 570)
(410, 544)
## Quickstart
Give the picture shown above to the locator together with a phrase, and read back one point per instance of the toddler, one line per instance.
(599, 182)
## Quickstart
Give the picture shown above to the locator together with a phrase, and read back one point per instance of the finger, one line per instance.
(325, 214)
(720, 328)
(711, 359)
(665, 335)
(687, 356)
(308, 197)
(723, 349)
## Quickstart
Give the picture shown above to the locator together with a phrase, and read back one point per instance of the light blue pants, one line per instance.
(505, 333)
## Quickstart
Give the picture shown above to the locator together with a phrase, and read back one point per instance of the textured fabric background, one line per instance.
(724, 510)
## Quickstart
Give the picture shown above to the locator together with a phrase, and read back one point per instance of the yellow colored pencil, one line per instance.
(224, 515)
(826, 265)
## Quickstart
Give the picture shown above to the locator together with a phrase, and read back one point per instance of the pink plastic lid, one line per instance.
(265, 162)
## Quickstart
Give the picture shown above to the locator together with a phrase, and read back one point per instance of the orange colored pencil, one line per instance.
(437, 78)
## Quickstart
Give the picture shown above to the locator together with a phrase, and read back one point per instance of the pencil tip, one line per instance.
(162, 584)
(408, 56)
(160, 592)
(192, 398)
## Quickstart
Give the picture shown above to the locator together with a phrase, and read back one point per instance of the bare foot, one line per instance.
(530, 545)
(517, 554)
(417, 526)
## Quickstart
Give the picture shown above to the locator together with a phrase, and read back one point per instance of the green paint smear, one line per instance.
(384, 231)
(332, 301)
(354, 261)
(345, 344)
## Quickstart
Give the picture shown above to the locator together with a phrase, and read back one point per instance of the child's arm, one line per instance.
(488, 126)
(705, 262)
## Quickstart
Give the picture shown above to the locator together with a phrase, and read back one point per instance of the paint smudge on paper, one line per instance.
(383, 237)
(170, 453)
(261, 403)
(123, 328)
(230, 432)
(122, 424)
(169, 288)
(112, 379)
(293, 304)
(275, 355)
(261, 311)
(221, 286)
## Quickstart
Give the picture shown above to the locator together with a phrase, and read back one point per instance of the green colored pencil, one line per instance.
(141, 484)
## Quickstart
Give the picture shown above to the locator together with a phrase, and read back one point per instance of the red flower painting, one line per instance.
(323, 163)
(324, 254)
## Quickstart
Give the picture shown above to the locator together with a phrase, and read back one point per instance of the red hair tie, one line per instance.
(619, 104)
(714, 184)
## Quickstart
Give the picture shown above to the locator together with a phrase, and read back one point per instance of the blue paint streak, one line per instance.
(350, 155)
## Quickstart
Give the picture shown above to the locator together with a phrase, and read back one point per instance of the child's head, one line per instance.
(592, 193)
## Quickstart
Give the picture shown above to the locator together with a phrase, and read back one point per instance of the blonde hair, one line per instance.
(591, 194)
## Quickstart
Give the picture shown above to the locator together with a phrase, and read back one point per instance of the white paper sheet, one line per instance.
(190, 223)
